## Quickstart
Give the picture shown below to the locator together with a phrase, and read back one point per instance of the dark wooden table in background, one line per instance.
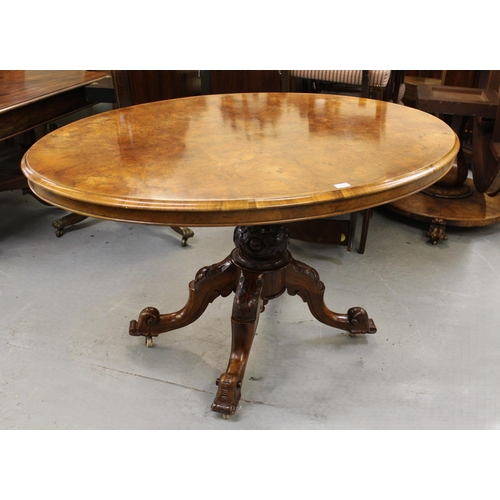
(33, 98)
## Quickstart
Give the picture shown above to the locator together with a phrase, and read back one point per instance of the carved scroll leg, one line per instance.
(303, 280)
(68, 220)
(210, 283)
(247, 306)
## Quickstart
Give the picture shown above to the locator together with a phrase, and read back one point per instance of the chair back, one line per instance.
(386, 85)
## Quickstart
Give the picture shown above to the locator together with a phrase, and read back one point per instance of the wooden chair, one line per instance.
(137, 87)
(385, 85)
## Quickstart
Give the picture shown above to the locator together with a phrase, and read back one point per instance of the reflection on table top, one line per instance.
(240, 159)
(19, 87)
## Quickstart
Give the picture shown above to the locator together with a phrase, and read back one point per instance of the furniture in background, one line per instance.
(140, 86)
(254, 161)
(32, 99)
(236, 81)
(459, 198)
(486, 155)
(386, 85)
(450, 78)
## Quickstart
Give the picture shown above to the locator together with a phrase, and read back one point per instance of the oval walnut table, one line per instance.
(254, 161)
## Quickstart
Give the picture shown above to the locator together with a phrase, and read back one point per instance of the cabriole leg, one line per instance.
(247, 306)
(210, 283)
(303, 280)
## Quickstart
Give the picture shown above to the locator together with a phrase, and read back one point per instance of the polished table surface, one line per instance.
(33, 98)
(240, 159)
(30, 98)
(249, 160)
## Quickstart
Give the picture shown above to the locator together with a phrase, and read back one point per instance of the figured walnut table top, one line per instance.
(240, 159)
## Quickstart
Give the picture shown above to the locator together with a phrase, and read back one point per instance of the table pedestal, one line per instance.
(259, 269)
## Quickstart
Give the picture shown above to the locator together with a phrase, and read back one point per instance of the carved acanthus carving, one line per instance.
(246, 298)
(211, 271)
(452, 193)
(261, 241)
(300, 267)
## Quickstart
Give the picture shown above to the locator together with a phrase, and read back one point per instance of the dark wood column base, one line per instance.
(258, 270)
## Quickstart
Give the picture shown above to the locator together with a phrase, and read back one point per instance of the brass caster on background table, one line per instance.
(149, 341)
(436, 231)
(185, 232)
(68, 220)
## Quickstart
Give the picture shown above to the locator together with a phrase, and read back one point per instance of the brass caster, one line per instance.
(59, 232)
(149, 341)
(436, 231)
(226, 417)
(185, 232)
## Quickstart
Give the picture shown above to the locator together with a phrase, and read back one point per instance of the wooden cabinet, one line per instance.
(484, 79)
(451, 78)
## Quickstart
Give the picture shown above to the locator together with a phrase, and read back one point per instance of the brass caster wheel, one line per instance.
(59, 232)
(226, 417)
(184, 242)
(149, 341)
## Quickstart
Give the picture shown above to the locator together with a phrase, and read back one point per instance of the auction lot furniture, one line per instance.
(254, 161)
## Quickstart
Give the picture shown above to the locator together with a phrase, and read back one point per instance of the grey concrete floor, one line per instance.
(68, 362)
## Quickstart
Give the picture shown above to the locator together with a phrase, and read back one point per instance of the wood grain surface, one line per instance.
(240, 159)
(18, 87)
(32, 98)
